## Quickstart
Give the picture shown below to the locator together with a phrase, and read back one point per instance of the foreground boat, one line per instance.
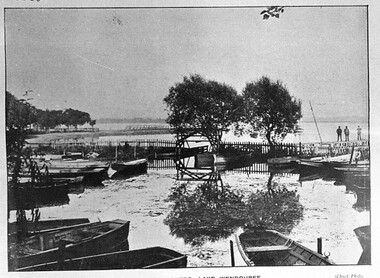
(131, 168)
(364, 236)
(80, 240)
(43, 225)
(153, 257)
(271, 248)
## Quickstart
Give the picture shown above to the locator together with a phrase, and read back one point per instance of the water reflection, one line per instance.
(206, 213)
(25, 199)
(213, 211)
(355, 179)
(276, 208)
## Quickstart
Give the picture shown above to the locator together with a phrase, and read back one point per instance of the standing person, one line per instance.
(346, 134)
(359, 129)
(339, 133)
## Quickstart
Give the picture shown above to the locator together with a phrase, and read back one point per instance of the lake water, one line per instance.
(328, 211)
(327, 131)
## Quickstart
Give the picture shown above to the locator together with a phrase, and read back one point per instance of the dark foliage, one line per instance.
(211, 213)
(205, 106)
(272, 11)
(270, 109)
(205, 214)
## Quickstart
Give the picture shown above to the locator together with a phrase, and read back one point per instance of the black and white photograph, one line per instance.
(179, 139)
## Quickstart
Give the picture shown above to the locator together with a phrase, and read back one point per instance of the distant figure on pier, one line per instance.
(346, 134)
(359, 129)
(339, 133)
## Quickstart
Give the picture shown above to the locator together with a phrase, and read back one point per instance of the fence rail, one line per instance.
(162, 147)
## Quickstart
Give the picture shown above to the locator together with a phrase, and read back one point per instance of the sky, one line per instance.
(121, 63)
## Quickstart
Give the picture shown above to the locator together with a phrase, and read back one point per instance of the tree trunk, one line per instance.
(269, 184)
(272, 152)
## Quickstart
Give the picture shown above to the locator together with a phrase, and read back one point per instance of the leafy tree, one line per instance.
(20, 115)
(270, 109)
(205, 106)
(272, 11)
(50, 118)
(72, 117)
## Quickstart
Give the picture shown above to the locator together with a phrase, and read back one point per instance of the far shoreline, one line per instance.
(55, 136)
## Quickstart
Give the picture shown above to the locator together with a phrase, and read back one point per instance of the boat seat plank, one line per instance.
(306, 260)
(267, 248)
(271, 240)
(249, 239)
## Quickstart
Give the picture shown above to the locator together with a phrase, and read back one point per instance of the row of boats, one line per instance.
(344, 169)
(77, 244)
(105, 246)
(71, 245)
(85, 246)
(74, 165)
(50, 179)
(55, 174)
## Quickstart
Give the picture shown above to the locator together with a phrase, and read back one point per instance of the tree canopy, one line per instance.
(270, 109)
(201, 105)
(19, 116)
(22, 114)
(272, 11)
(72, 117)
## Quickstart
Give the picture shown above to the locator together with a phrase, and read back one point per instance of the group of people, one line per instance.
(347, 133)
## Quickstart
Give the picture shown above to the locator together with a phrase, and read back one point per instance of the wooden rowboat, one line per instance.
(43, 225)
(364, 236)
(80, 240)
(153, 257)
(286, 162)
(271, 248)
(131, 168)
(329, 165)
(222, 162)
(353, 176)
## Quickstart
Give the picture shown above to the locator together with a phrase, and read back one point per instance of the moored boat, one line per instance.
(72, 155)
(147, 258)
(353, 176)
(364, 236)
(283, 162)
(222, 162)
(74, 241)
(270, 248)
(329, 165)
(61, 169)
(42, 225)
(131, 168)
